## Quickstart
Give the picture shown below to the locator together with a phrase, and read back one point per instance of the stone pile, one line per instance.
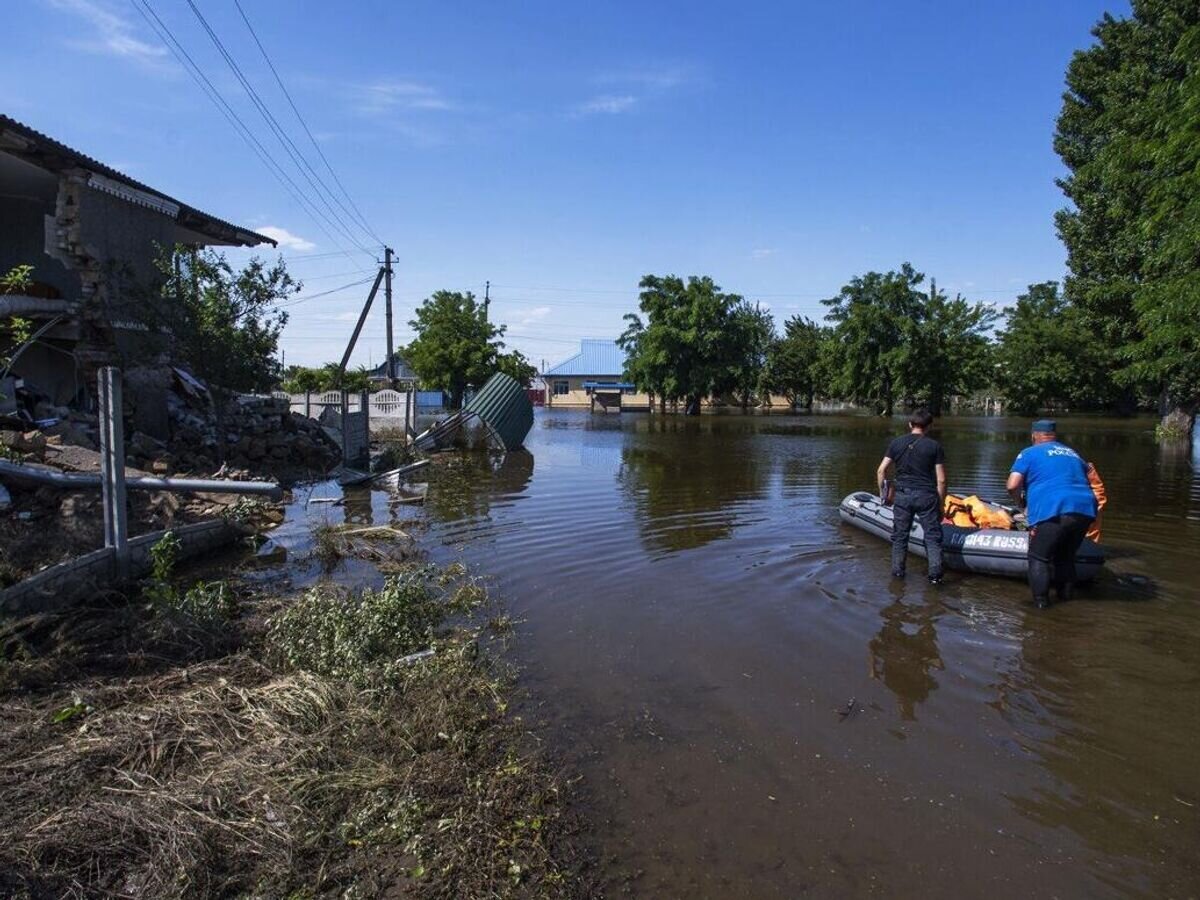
(172, 426)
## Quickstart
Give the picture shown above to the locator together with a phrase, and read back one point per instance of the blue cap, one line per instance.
(1046, 426)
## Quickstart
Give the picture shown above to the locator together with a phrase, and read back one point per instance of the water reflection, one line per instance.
(904, 654)
(463, 486)
(357, 508)
(688, 490)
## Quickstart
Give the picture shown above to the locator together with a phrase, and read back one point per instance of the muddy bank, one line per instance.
(233, 737)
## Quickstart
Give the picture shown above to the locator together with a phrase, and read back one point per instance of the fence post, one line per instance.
(345, 422)
(112, 469)
(364, 401)
(308, 404)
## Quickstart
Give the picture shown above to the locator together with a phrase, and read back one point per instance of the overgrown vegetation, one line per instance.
(311, 762)
(363, 639)
(224, 324)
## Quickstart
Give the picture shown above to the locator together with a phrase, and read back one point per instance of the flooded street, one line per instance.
(758, 711)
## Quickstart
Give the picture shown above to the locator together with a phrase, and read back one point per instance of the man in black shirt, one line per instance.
(920, 481)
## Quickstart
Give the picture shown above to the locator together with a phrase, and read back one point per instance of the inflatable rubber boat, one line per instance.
(989, 551)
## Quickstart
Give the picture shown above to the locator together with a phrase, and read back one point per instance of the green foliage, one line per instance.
(225, 324)
(795, 364)
(18, 330)
(892, 342)
(516, 366)
(954, 354)
(1047, 353)
(362, 637)
(694, 342)
(874, 319)
(1129, 132)
(456, 345)
(299, 379)
(753, 334)
(16, 280)
(206, 603)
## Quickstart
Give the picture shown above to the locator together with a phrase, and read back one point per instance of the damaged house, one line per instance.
(92, 236)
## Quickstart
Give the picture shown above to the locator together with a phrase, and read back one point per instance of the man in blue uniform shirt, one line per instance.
(1061, 507)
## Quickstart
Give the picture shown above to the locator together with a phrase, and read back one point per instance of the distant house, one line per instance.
(92, 235)
(404, 374)
(593, 376)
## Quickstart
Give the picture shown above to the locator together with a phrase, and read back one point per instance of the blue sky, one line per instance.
(562, 150)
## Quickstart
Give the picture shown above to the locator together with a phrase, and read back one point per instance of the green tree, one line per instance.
(516, 366)
(1047, 352)
(795, 362)
(302, 379)
(225, 325)
(752, 336)
(1129, 132)
(688, 346)
(299, 379)
(953, 353)
(874, 318)
(456, 345)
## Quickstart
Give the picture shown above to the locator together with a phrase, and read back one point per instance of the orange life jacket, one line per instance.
(1101, 496)
(971, 512)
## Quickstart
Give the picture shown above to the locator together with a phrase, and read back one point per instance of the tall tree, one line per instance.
(1047, 352)
(455, 346)
(689, 346)
(1129, 132)
(752, 335)
(795, 363)
(953, 352)
(873, 318)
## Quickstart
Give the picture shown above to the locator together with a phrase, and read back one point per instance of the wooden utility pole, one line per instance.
(487, 298)
(387, 296)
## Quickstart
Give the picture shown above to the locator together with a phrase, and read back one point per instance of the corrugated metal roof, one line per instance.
(503, 404)
(54, 156)
(595, 357)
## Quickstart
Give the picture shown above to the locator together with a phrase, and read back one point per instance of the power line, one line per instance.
(361, 218)
(308, 297)
(273, 125)
(164, 33)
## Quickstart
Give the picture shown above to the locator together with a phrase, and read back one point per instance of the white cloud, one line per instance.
(113, 33)
(383, 97)
(763, 252)
(285, 239)
(535, 315)
(606, 104)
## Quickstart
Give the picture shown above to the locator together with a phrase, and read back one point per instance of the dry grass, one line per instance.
(228, 777)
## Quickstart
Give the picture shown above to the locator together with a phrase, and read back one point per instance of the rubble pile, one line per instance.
(173, 426)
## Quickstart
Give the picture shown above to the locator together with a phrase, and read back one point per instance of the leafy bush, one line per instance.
(363, 637)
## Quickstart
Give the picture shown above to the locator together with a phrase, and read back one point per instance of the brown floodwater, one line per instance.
(758, 711)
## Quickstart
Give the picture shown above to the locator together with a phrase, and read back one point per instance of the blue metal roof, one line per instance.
(595, 357)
